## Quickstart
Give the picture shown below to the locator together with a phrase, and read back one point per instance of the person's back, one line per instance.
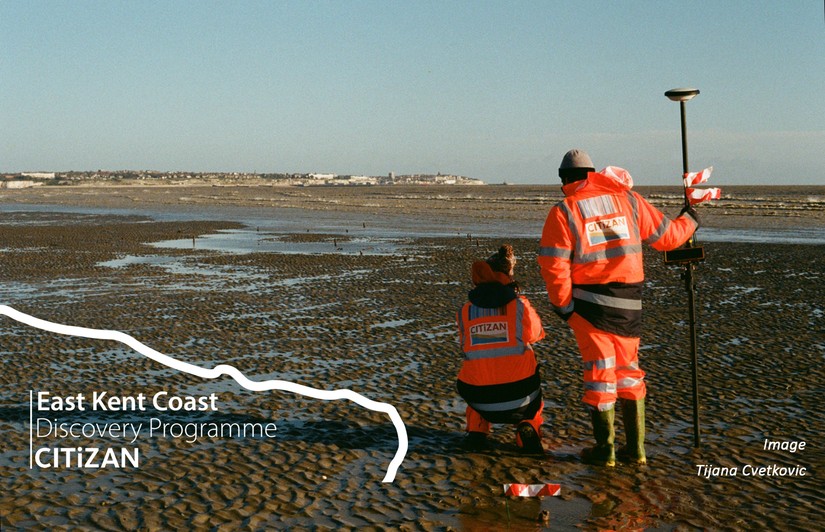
(499, 377)
(593, 239)
(590, 256)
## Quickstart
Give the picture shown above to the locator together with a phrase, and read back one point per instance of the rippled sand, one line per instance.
(383, 325)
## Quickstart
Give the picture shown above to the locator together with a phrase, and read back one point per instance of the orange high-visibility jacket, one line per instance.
(591, 251)
(497, 342)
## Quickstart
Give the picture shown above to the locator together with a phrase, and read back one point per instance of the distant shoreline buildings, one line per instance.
(149, 177)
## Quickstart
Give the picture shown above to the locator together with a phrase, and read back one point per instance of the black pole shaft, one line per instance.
(694, 359)
(690, 287)
(685, 158)
(684, 143)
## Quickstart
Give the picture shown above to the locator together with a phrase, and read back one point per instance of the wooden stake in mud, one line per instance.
(688, 255)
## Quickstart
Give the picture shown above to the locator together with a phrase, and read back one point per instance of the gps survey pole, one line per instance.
(688, 255)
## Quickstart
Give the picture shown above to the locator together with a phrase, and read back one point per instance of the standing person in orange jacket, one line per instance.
(499, 377)
(591, 260)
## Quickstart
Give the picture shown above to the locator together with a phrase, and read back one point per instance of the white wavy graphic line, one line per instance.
(225, 369)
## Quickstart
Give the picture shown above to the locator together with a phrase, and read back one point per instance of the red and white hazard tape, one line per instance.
(532, 490)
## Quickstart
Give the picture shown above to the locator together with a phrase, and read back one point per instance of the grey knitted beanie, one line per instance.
(576, 159)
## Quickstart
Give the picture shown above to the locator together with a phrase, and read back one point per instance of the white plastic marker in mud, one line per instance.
(224, 369)
(532, 490)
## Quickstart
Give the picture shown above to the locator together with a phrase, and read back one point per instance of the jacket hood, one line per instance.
(483, 273)
(613, 180)
(493, 289)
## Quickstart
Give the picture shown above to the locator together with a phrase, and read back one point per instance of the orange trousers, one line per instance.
(476, 423)
(611, 365)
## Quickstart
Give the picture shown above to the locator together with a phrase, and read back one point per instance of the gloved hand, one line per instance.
(690, 211)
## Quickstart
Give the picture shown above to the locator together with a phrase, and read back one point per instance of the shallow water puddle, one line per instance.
(242, 241)
(391, 324)
(761, 235)
(129, 260)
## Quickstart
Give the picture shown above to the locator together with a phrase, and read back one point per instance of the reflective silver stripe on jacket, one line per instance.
(609, 253)
(571, 224)
(560, 253)
(481, 312)
(631, 198)
(603, 205)
(461, 328)
(510, 350)
(660, 231)
(506, 405)
(606, 363)
(607, 301)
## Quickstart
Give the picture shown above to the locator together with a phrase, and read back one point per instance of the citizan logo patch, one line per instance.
(488, 333)
(602, 231)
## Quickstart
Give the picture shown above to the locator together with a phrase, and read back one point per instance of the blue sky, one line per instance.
(493, 90)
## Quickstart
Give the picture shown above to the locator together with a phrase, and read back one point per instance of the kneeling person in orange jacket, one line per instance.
(499, 377)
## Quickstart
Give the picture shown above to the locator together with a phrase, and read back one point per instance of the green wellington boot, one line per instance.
(633, 414)
(603, 453)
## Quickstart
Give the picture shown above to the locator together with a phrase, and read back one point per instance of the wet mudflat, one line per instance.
(383, 325)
